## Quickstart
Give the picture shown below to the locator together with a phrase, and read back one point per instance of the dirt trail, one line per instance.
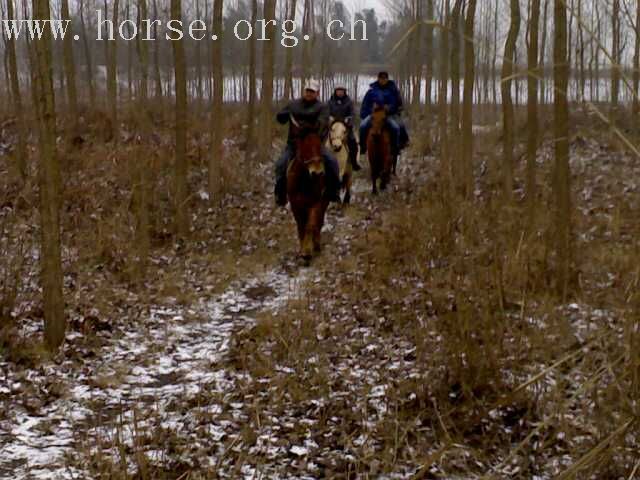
(164, 374)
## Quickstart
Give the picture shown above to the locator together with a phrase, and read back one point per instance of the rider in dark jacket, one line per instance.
(341, 109)
(383, 92)
(311, 112)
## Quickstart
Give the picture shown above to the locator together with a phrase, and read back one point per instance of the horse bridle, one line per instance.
(307, 161)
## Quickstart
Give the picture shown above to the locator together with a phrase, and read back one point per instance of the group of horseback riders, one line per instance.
(310, 113)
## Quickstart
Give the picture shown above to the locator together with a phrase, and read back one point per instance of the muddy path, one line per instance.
(164, 377)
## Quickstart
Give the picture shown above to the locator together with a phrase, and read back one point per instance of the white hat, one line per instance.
(312, 84)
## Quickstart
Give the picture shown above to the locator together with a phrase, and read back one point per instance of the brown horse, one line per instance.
(305, 189)
(379, 150)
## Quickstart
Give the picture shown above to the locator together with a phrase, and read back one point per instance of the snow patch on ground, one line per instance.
(147, 368)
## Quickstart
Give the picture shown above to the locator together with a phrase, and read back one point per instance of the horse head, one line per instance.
(338, 135)
(309, 152)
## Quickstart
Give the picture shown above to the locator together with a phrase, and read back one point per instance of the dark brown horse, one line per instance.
(305, 189)
(379, 150)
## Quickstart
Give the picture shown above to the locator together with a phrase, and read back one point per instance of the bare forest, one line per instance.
(161, 317)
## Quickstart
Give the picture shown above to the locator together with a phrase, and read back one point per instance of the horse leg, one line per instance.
(374, 180)
(385, 177)
(315, 227)
(374, 175)
(305, 230)
(302, 220)
(308, 237)
(347, 187)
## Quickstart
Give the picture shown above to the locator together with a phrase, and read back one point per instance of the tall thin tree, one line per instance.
(180, 72)
(87, 55)
(217, 114)
(508, 114)
(21, 150)
(467, 105)
(69, 63)
(50, 184)
(268, 59)
(111, 50)
(532, 103)
(562, 178)
(251, 108)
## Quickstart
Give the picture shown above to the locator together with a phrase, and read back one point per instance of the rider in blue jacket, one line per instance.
(383, 92)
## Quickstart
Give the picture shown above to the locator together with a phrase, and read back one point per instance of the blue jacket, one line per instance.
(389, 95)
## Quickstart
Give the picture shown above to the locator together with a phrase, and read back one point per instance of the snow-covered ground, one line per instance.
(172, 355)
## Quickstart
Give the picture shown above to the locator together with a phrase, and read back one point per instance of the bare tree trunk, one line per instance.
(217, 114)
(428, 50)
(143, 54)
(597, 49)
(143, 165)
(415, 53)
(267, 80)
(467, 106)
(198, 54)
(88, 59)
(636, 69)
(445, 162)
(112, 74)
(251, 110)
(561, 185)
(156, 55)
(180, 187)
(532, 105)
(130, 87)
(288, 74)
(615, 54)
(543, 54)
(49, 181)
(21, 151)
(69, 63)
(494, 70)
(580, 58)
(455, 67)
(307, 26)
(507, 102)
(5, 65)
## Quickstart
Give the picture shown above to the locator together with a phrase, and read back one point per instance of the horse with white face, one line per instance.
(338, 144)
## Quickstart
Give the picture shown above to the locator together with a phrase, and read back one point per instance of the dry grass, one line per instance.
(435, 343)
(499, 361)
